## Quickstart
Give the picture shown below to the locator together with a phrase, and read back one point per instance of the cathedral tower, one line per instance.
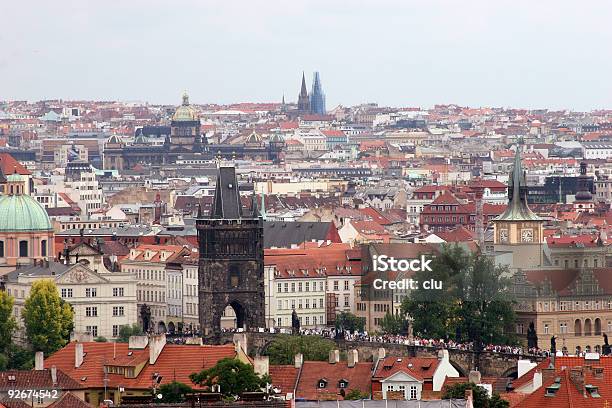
(303, 99)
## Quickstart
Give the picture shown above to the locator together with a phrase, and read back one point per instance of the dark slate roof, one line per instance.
(53, 268)
(284, 234)
(227, 197)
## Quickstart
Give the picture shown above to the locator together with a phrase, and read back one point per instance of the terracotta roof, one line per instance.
(284, 377)
(36, 379)
(13, 403)
(421, 368)
(9, 165)
(69, 400)
(358, 377)
(192, 358)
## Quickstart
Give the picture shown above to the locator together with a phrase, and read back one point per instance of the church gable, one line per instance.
(83, 249)
(80, 274)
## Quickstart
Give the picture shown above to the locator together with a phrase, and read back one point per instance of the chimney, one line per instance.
(156, 345)
(334, 356)
(261, 365)
(78, 355)
(39, 361)
(382, 353)
(537, 380)
(443, 355)
(298, 360)
(353, 358)
(138, 342)
(577, 377)
(54, 375)
(474, 377)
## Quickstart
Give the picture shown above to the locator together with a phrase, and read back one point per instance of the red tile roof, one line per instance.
(421, 368)
(9, 165)
(36, 379)
(284, 377)
(192, 358)
(69, 400)
(358, 377)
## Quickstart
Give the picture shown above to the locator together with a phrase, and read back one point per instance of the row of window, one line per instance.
(24, 249)
(151, 296)
(307, 287)
(304, 320)
(92, 311)
(284, 304)
(90, 292)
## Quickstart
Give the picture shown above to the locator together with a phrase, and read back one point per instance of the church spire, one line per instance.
(303, 99)
(518, 209)
(303, 91)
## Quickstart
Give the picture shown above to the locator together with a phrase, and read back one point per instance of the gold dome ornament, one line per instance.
(185, 112)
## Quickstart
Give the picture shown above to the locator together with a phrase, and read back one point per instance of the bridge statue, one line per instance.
(145, 315)
(295, 322)
(606, 350)
(532, 337)
(553, 345)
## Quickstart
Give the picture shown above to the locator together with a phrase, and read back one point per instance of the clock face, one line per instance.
(527, 235)
(503, 235)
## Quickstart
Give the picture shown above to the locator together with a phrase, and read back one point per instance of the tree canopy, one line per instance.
(48, 318)
(350, 322)
(126, 331)
(473, 304)
(233, 377)
(394, 324)
(284, 347)
(8, 324)
(481, 398)
(174, 392)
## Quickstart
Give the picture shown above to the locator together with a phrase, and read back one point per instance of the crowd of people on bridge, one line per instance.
(332, 333)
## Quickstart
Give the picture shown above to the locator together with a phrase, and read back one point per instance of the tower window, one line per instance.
(23, 249)
(234, 277)
(43, 247)
(1, 249)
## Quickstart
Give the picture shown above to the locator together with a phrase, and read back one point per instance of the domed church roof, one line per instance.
(22, 213)
(185, 112)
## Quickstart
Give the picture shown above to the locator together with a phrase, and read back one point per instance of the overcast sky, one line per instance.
(519, 53)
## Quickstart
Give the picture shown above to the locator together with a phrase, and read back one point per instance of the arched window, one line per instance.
(587, 327)
(577, 328)
(43, 247)
(598, 327)
(23, 249)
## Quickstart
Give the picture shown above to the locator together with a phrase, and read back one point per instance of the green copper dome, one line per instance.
(22, 213)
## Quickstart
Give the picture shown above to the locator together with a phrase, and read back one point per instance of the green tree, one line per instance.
(350, 322)
(284, 347)
(174, 392)
(126, 331)
(8, 324)
(20, 358)
(355, 394)
(394, 324)
(481, 398)
(101, 339)
(233, 376)
(48, 319)
(473, 304)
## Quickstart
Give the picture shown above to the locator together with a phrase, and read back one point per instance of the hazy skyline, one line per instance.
(536, 54)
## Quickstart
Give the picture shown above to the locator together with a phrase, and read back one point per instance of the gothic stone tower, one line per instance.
(231, 270)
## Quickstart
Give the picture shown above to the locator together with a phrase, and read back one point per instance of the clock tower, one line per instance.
(519, 229)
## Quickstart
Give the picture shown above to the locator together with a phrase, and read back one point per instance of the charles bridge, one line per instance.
(490, 364)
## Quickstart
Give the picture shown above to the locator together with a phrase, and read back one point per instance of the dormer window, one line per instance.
(343, 384)
(322, 383)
